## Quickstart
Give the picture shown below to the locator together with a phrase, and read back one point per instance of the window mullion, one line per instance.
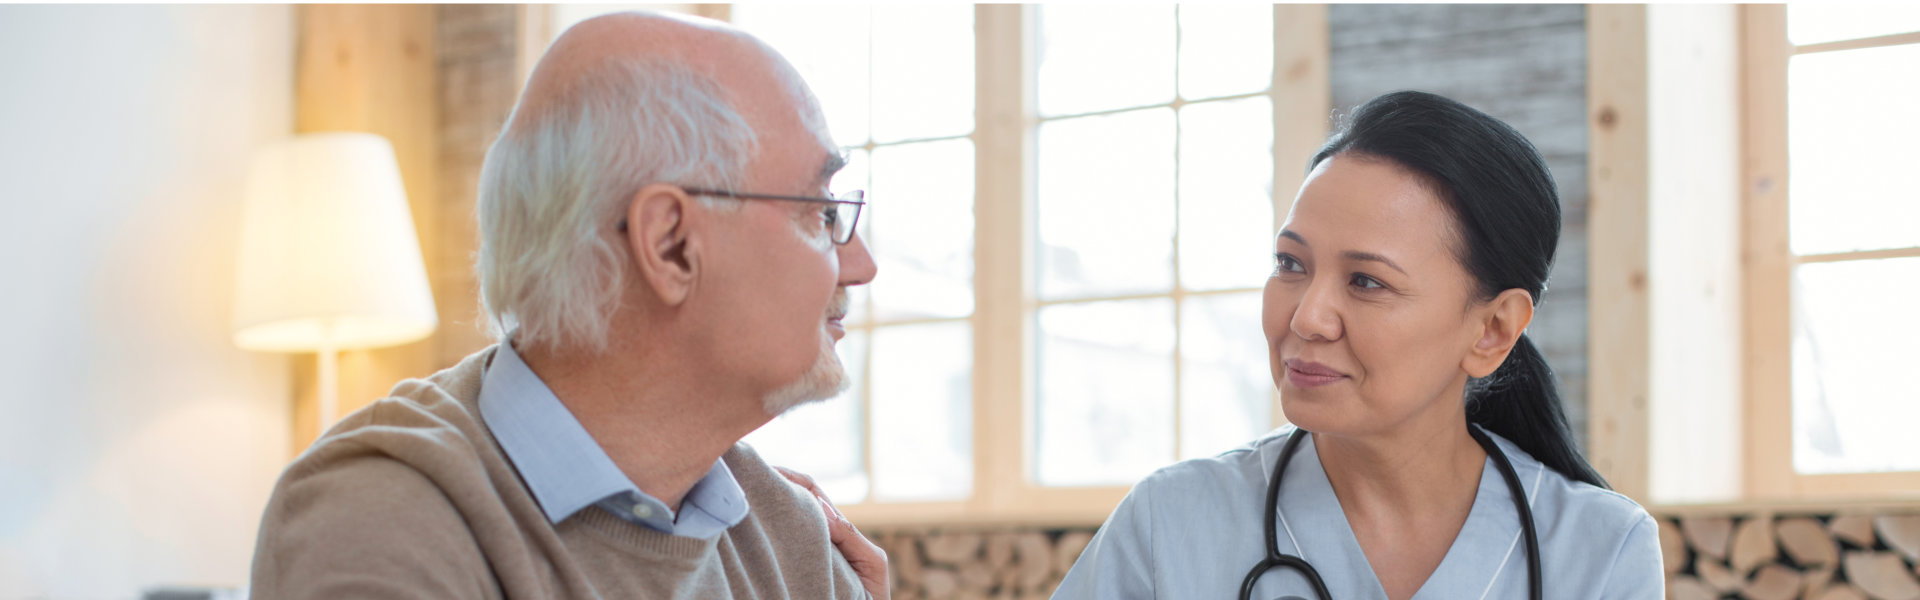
(1178, 299)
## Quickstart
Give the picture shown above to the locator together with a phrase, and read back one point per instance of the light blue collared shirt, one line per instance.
(567, 471)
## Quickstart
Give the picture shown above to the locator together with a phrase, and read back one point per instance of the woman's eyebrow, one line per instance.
(1349, 255)
(1371, 257)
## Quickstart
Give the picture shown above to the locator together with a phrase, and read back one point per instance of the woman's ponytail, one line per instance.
(1521, 402)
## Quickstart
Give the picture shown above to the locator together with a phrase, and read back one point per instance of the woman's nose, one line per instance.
(1318, 316)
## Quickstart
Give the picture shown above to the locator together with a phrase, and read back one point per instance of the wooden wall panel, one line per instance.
(1525, 64)
(479, 77)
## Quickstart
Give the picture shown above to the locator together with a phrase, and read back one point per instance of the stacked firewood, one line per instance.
(1800, 557)
(1760, 556)
(1001, 564)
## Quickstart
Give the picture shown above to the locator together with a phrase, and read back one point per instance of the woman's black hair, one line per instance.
(1507, 214)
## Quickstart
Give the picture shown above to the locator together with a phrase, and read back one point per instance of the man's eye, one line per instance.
(832, 216)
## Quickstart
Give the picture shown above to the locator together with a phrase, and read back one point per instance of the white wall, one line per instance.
(1693, 214)
(137, 444)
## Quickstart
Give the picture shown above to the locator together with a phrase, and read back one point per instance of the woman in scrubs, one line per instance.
(1404, 280)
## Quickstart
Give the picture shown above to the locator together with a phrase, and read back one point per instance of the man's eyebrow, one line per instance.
(835, 162)
(1349, 255)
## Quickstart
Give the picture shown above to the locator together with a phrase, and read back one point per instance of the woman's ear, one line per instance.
(660, 234)
(1501, 323)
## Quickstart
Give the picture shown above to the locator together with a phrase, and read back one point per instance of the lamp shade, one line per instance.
(328, 256)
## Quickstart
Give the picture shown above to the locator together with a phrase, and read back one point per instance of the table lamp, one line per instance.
(328, 257)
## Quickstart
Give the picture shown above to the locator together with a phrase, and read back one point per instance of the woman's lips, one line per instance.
(1309, 374)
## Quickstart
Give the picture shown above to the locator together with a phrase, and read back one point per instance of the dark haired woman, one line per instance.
(1428, 456)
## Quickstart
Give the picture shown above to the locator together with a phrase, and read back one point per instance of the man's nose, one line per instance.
(856, 263)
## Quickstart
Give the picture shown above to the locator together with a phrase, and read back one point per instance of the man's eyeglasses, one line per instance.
(842, 216)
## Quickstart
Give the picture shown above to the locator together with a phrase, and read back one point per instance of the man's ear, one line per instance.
(660, 219)
(1502, 322)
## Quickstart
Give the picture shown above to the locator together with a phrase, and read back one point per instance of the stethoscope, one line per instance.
(1275, 558)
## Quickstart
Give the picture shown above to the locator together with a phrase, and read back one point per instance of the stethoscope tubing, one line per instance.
(1275, 558)
(1520, 503)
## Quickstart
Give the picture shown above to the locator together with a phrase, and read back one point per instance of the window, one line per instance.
(1854, 226)
(1839, 268)
(897, 85)
(1154, 218)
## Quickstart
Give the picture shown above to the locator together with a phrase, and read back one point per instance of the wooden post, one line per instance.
(1004, 155)
(1302, 110)
(1618, 342)
(1768, 267)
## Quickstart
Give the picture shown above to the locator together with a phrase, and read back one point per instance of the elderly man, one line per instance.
(665, 278)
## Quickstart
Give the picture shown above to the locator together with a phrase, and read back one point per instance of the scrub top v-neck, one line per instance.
(1193, 529)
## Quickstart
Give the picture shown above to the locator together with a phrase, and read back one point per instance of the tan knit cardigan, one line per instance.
(411, 497)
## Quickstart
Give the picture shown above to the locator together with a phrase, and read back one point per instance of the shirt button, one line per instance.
(643, 511)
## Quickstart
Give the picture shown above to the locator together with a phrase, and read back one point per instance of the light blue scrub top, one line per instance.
(1193, 530)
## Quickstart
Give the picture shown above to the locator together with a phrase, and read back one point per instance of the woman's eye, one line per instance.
(1367, 283)
(1286, 263)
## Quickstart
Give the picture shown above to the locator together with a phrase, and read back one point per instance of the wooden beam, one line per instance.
(535, 34)
(1768, 266)
(1618, 346)
(370, 68)
(1302, 97)
(1003, 146)
(1302, 111)
(717, 12)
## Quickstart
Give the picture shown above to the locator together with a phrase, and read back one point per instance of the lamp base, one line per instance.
(329, 386)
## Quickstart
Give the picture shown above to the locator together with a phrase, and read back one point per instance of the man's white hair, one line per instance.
(557, 181)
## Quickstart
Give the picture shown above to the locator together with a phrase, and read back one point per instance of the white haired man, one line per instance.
(664, 278)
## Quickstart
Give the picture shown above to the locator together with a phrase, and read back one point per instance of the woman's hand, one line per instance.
(868, 560)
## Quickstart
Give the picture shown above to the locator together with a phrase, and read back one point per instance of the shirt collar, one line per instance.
(1316, 527)
(566, 470)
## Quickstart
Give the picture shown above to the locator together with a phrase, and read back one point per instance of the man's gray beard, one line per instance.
(825, 379)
